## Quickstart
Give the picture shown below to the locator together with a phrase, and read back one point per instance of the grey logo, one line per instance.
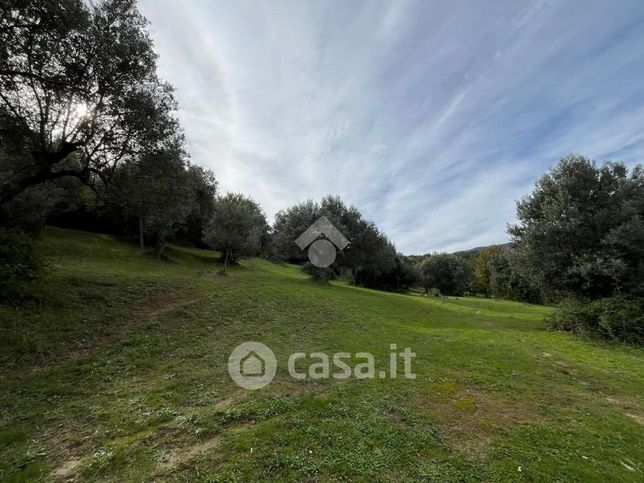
(322, 251)
(252, 365)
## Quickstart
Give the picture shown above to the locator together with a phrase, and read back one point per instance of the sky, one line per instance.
(431, 117)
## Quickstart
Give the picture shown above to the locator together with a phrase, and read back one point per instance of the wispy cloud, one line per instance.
(431, 117)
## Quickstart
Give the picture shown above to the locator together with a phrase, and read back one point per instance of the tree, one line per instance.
(290, 224)
(370, 257)
(507, 280)
(482, 270)
(581, 231)
(236, 227)
(203, 185)
(448, 273)
(156, 189)
(79, 92)
(402, 276)
(19, 260)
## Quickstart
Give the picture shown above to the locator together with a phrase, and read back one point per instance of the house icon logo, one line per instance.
(252, 365)
(322, 251)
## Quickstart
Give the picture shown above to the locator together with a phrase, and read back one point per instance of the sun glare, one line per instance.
(81, 109)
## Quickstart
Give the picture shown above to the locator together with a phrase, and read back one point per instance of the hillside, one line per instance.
(470, 251)
(118, 371)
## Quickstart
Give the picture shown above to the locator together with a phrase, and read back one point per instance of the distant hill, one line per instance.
(471, 251)
(480, 249)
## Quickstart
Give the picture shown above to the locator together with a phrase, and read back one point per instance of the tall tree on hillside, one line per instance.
(157, 189)
(370, 256)
(236, 227)
(289, 224)
(581, 231)
(79, 92)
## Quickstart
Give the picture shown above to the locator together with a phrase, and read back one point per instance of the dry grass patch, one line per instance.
(469, 419)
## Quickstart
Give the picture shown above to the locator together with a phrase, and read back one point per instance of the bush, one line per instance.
(19, 260)
(616, 318)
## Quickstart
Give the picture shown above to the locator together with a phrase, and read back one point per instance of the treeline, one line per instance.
(491, 272)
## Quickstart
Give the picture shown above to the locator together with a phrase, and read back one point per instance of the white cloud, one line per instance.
(431, 117)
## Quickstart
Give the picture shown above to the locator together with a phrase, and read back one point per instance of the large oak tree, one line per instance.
(79, 92)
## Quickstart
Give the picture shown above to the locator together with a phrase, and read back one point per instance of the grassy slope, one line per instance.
(120, 374)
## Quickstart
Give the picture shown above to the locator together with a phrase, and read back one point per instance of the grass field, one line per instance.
(119, 373)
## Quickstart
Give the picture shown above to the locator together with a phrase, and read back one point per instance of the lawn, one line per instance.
(117, 371)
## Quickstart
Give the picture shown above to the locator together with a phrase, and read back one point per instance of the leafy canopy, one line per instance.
(581, 231)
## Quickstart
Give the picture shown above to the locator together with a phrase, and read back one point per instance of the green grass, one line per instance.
(119, 373)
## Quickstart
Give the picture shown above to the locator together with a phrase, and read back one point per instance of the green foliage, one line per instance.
(161, 192)
(29, 210)
(581, 231)
(370, 257)
(448, 273)
(19, 260)
(236, 227)
(289, 224)
(403, 276)
(581, 238)
(94, 68)
(482, 270)
(508, 281)
(616, 318)
(203, 185)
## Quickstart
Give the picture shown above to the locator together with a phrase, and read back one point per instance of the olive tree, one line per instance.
(448, 273)
(370, 257)
(236, 227)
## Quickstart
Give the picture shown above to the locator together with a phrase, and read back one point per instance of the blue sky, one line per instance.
(432, 117)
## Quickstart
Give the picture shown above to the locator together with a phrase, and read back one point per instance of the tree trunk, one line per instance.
(141, 239)
(225, 260)
(160, 245)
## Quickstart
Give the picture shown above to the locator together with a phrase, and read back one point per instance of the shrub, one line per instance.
(19, 260)
(616, 318)
(621, 318)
